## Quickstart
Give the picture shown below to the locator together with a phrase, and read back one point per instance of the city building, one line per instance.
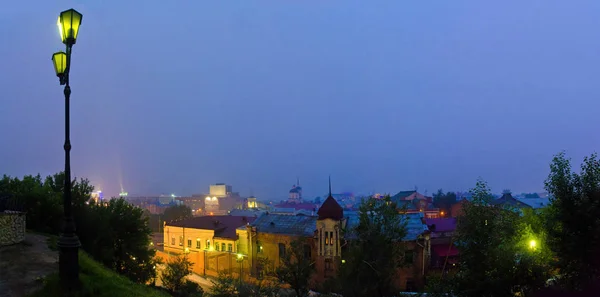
(251, 246)
(295, 195)
(210, 242)
(267, 237)
(444, 254)
(508, 200)
(97, 196)
(415, 202)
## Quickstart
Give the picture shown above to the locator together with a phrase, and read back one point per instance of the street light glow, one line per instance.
(532, 244)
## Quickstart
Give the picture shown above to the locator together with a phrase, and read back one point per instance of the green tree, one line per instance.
(573, 223)
(173, 278)
(177, 212)
(296, 268)
(497, 257)
(259, 288)
(444, 201)
(225, 285)
(118, 236)
(376, 250)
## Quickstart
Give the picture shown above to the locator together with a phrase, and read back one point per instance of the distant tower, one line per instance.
(329, 225)
(295, 193)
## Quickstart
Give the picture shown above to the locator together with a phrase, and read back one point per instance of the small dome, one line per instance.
(330, 210)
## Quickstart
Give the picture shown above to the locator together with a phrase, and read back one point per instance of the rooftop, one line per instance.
(442, 224)
(508, 200)
(330, 209)
(414, 225)
(297, 206)
(301, 225)
(224, 226)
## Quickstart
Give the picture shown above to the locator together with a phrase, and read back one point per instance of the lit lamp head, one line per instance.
(59, 60)
(68, 26)
(532, 244)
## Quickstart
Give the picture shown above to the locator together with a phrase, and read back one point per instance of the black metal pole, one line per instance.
(68, 242)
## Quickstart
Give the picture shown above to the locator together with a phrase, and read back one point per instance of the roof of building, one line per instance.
(536, 202)
(296, 189)
(297, 206)
(414, 224)
(224, 226)
(330, 209)
(508, 200)
(246, 212)
(441, 224)
(402, 194)
(286, 224)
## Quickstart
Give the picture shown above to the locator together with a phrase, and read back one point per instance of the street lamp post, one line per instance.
(68, 242)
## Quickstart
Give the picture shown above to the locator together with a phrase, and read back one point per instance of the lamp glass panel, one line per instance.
(69, 23)
(60, 62)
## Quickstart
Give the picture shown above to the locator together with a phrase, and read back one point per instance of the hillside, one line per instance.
(98, 281)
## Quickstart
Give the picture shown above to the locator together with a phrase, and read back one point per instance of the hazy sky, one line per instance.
(170, 96)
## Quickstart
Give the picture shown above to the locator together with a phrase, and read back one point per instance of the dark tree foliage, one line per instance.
(444, 201)
(115, 234)
(173, 278)
(574, 220)
(295, 269)
(375, 252)
(177, 212)
(496, 255)
(225, 285)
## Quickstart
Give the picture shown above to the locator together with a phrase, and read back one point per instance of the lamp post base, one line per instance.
(68, 261)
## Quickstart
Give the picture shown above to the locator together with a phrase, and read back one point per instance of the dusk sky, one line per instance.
(171, 96)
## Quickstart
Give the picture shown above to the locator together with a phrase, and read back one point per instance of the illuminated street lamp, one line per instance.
(532, 244)
(68, 242)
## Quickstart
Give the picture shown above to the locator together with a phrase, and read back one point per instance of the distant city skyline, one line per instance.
(382, 97)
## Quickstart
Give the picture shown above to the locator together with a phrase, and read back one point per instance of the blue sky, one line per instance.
(170, 96)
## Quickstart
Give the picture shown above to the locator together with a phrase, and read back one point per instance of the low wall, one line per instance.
(12, 227)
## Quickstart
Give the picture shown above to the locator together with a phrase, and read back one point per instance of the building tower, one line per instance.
(295, 193)
(329, 223)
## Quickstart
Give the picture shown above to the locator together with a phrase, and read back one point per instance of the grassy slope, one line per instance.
(96, 280)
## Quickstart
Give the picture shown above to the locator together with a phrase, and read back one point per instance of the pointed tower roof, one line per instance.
(330, 208)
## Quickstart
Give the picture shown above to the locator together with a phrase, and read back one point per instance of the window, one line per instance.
(328, 265)
(223, 246)
(189, 243)
(326, 238)
(408, 257)
(207, 246)
(181, 240)
(307, 252)
(331, 242)
(217, 246)
(229, 247)
(281, 250)
(172, 240)
(198, 243)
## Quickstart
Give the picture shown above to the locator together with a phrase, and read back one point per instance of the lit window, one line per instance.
(326, 238)
(207, 246)
(331, 238)
(229, 247)
(198, 243)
